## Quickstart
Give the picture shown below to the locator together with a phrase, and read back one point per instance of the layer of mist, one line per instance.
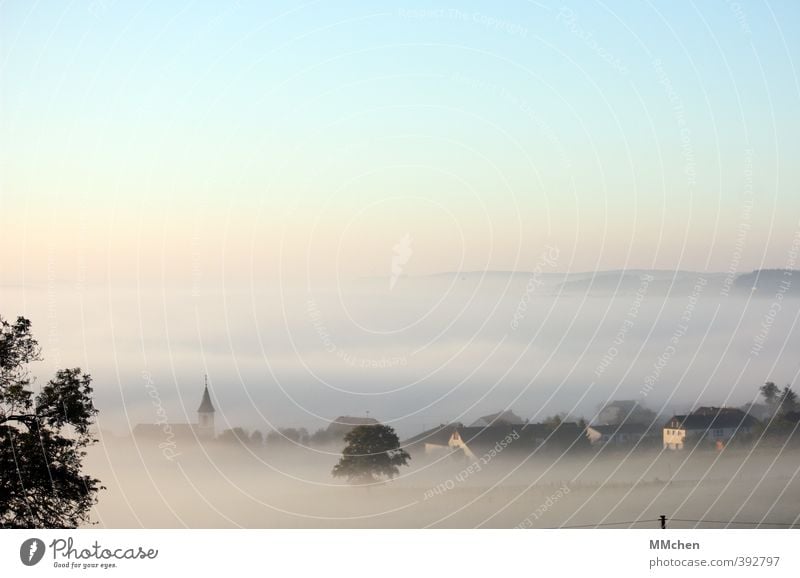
(224, 487)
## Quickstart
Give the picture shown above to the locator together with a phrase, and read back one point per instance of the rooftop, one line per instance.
(712, 417)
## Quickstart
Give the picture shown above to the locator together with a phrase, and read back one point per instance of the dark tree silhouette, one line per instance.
(287, 437)
(321, 437)
(235, 435)
(42, 439)
(770, 392)
(372, 451)
(787, 401)
(257, 438)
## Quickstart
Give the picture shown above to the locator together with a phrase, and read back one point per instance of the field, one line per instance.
(219, 486)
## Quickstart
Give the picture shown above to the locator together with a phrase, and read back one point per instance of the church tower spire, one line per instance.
(205, 415)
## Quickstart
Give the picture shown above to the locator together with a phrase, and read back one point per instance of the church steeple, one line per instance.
(205, 414)
(206, 406)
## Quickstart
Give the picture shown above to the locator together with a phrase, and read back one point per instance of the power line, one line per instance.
(663, 521)
(762, 523)
(608, 524)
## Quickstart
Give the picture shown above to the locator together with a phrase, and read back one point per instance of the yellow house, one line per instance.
(714, 424)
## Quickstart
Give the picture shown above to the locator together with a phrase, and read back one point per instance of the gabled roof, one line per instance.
(487, 436)
(438, 435)
(205, 405)
(708, 418)
(524, 436)
(711, 410)
(342, 425)
(354, 421)
(624, 428)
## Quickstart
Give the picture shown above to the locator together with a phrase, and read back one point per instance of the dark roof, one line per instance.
(487, 436)
(206, 406)
(627, 428)
(344, 423)
(708, 418)
(438, 435)
(710, 410)
(354, 421)
(526, 434)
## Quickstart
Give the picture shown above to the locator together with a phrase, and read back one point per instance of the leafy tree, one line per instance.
(288, 436)
(236, 435)
(787, 401)
(256, 438)
(372, 451)
(770, 392)
(779, 401)
(42, 439)
(321, 437)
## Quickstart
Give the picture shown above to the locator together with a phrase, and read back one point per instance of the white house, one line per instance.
(714, 424)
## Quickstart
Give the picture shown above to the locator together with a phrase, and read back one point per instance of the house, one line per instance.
(433, 441)
(528, 438)
(556, 438)
(713, 424)
(510, 439)
(440, 439)
(344, 424)
(474, 442)
(616, 435)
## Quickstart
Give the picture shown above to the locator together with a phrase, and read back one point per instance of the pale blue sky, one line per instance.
(530, 122)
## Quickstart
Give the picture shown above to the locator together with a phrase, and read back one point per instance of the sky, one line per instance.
(156, 152)
(629, 136)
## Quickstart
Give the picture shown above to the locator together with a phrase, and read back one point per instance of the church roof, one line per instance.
(206, 406)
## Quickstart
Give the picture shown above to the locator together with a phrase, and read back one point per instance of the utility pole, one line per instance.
(663, 519)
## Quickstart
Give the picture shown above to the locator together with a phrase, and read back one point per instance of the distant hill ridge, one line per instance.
(769, 282)
(761, 282)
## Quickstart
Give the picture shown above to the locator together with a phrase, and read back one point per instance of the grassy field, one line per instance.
(223, 486)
